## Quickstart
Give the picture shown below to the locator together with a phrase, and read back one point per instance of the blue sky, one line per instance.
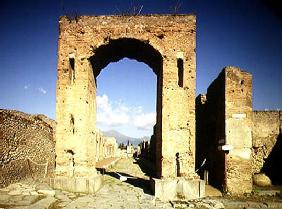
(242, 33)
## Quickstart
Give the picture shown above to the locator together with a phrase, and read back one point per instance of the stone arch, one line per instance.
(116, 49)
(113, 50)
(86, 45)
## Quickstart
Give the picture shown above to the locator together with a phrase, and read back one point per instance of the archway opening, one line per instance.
(141, 51)
(115, 50)
(126, 100)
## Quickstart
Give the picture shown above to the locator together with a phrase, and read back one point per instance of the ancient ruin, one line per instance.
(220, 139)
(224, 131)
(105, 147)
(236, 142)
(267, 144)
(27, 146)
(89, 43)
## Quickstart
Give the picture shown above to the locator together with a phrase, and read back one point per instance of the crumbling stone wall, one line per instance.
(26, 145)
(238, 120)
(227, 119)
(106, 147)
(86, 45)
(144, 149)
(111, 147)
(100, 143)
(267, 144)
(148, 149)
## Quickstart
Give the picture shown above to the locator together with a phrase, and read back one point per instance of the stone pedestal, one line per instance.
(178, 189)
(77, 184)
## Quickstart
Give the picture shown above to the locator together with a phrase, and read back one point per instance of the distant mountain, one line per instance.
(122, 138)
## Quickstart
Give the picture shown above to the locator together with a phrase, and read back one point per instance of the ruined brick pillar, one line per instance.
(178, 113)
(228, 128)
(75, 116)
(238, 130)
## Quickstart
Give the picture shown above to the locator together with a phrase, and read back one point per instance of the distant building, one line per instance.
(111, 147)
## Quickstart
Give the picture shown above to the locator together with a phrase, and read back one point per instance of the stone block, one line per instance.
(77, 184)
(47, 192)
(178, 189)
(95, 184)
(260, 179)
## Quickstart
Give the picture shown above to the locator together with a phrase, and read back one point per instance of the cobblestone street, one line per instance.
(117, 192)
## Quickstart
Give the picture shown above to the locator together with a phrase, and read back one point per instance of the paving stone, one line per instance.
(41, 204)
(46, 192)
(62, 204)
(33, 193)
(14, 201)
(43, 186)
(4, 190)
(15, 192)
(16, 198)
(272, 192)
(117, 195)
(4, 197)
(63, 197)
(71, 195)
(31, 198)
(13, 187)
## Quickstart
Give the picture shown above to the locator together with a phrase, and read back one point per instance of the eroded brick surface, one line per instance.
(26, 145)
(266, 150)
(225, 124)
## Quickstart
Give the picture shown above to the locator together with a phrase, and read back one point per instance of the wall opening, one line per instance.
(128, 88)
(272, 166)
(137, 50)
(72, 123)
(70, 155)
(72, 69)
(180, 71)
(177, 158)
(118, 49)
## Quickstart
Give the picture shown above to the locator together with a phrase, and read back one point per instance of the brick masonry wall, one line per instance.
(266, 147)
(226, 118)
(238, 122)
(25, 141)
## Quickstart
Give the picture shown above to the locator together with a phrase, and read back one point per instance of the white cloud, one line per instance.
(117, 114)
(145, 121)
(26, 86)
(108, 115)
(137, 110)
(41, 90)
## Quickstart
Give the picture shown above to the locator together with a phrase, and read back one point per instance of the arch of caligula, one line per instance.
(167, 44)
